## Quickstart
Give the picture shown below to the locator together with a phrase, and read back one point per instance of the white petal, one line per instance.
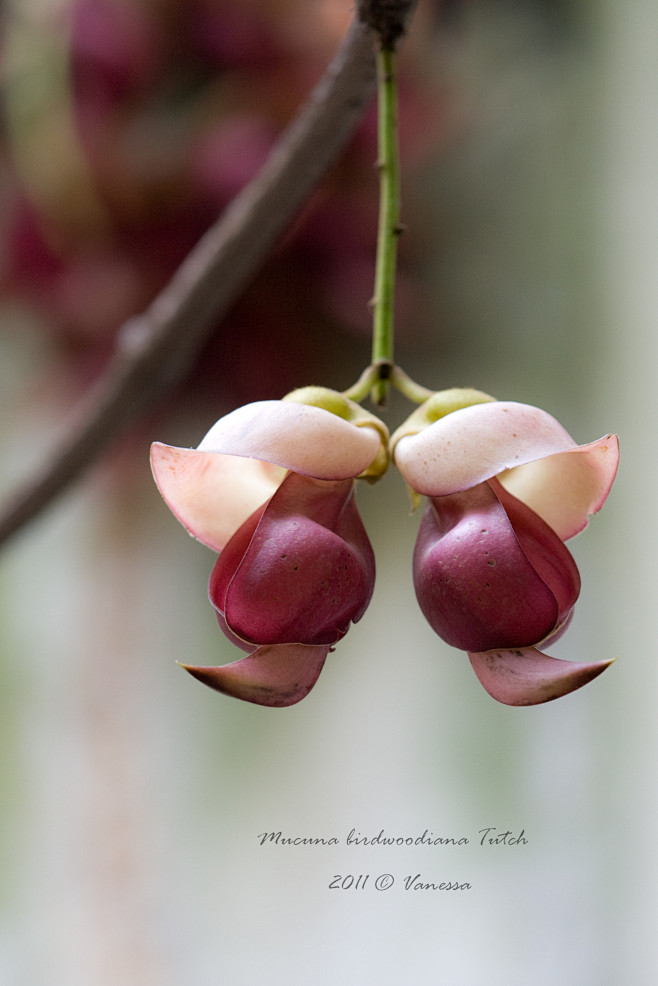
(476, 443)
(209, 493)
(299, 437)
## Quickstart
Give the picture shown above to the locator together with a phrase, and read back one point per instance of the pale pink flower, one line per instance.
(507, 486)
(271, 488)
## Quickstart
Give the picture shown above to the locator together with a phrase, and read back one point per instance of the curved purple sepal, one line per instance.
(274, 675)
(528, 677)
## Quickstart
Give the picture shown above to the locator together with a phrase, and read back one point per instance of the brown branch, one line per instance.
(388, 18)
(157, 348)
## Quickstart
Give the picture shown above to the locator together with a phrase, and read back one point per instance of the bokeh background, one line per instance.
(132, 799)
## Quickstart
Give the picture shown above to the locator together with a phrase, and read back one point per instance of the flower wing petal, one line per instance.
(211, 494)
(300, 437)
(528, 677)
(475, 443)
(277, 676)
(566, 487)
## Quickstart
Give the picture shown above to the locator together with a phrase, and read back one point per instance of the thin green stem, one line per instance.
(413, 391)
(360, 390)
(363, 386)
(383, 302)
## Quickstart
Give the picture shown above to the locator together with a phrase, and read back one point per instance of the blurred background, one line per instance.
(131, 798)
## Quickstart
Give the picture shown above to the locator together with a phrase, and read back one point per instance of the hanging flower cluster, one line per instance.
(271, 489)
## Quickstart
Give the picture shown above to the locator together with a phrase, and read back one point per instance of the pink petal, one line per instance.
(302, 570)
(473, 444)
(277, 676)
(209, 493)
(243, 458)
(566, 487)
(528, 677)
(539, 461)
(298, 437)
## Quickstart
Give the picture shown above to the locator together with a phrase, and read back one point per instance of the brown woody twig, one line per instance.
(157, 348)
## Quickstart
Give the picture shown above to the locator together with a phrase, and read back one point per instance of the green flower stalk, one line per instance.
(383, 302)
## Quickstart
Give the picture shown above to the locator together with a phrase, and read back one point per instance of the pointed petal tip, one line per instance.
(277, 675)
(528, 677)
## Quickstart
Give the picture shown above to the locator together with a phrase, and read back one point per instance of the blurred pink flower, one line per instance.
(506, 486)
(271, 488)
(160, 114)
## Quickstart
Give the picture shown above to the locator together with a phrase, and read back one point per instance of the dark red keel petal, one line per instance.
(276, 675)
(301, 569)
(485, 579)
(528, 677)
